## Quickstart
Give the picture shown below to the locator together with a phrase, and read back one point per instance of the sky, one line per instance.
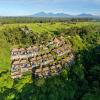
(30, 7)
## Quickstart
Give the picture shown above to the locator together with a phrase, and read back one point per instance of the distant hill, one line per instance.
(86, 15)
(83, 15)
(43, 14)
(60, 15)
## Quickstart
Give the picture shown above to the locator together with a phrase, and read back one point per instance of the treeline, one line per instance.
(12, 20)
(25, 36)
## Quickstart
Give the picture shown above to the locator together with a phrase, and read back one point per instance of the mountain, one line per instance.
(85, 15)
(43, 14)
(61, 15)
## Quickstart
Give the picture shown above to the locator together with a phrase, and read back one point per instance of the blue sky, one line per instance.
(29, 7)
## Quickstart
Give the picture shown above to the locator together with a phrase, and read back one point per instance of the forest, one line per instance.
(30, 19)
(80, 82)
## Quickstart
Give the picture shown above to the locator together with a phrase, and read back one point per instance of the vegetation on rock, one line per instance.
(79, 82)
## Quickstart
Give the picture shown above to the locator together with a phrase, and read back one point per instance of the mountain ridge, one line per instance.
(60, 15)
(50, 14)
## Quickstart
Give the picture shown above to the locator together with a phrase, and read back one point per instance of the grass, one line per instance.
(4, 55)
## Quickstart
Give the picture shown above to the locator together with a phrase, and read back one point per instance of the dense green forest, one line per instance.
(12, 20)
(80, 82)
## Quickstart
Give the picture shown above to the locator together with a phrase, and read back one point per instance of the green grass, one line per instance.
(4, 54)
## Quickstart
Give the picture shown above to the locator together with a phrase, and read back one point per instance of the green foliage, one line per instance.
(77, 43)
(64, 74)
(90, 96)
(4, 53)
(78, 82)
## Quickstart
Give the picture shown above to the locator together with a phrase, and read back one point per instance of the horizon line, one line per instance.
(48, 13)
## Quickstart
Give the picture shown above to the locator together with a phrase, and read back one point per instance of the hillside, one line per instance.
(12, 32)
(77, 82)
